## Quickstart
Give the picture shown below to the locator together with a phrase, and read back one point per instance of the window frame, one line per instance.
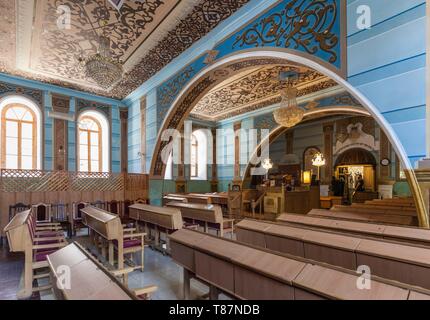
(100, 144)
(34, 124)
(194, 145)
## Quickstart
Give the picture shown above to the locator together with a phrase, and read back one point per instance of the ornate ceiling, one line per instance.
(255, 89)
(145, 34)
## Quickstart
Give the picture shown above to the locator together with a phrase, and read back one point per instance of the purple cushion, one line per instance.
(129, 243)
(41, 256)
(46, 242)
(49, 234)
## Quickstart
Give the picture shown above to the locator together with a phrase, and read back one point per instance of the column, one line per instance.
(236, 177)
(123, 114)
(289, 138)
(384, 153)
(214, 181)
(143, 134)
(328, 129)
(60, 105)
(180, 179)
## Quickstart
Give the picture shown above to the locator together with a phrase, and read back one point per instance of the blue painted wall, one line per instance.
(387, 63)
(48, 129)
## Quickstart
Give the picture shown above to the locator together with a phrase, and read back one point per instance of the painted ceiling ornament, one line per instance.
(289, 113)
(301, 25)
(356, 138)
(211, 56)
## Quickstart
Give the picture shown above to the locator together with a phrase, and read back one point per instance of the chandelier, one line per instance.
(101, 67)
(288, 114)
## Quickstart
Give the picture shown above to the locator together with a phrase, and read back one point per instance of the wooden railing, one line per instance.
(62, 187)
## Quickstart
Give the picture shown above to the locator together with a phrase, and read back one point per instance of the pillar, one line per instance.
(60, 105)
(328, 129)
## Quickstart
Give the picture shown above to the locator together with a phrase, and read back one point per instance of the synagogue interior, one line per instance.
(214, 150)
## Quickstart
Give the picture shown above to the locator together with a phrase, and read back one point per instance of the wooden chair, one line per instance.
(42, 212)
(19, 207)
(77, 215)
(99, 204)
(59, 212)
(24, 236)
(114, 207)
(234, 201)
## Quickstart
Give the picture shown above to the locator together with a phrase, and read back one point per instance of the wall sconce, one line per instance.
(307, 177)
(318, 161)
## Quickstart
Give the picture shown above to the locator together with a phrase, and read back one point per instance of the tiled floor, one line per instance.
(11, 266)
(160, 270)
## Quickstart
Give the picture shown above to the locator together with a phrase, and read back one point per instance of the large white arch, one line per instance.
(11, 99)
(105, 137)
(318, 65)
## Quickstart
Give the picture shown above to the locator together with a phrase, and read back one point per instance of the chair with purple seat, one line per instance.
(42, 212)
(23, 236)
(110, 230)
(77, 215)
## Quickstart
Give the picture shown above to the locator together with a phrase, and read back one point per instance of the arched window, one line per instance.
(194, 157)
(90, 147)
(19, 131)
(93, 142)
(199, 155)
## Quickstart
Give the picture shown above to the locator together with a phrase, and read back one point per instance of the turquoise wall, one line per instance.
(387, 63)
(48, 142)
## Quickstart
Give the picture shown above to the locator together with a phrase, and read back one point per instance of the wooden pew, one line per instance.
(246, 272)
(402, 205)
(362, 208)
(395, 261)
(405, 234)
(24, 236)
(169, 198)
(365, 217)
(192, 197)
(209, 216)
(109, 227)
(157, 219)
(89, 279)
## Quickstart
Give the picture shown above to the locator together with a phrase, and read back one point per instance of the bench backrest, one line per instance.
(169, 218)
(18, 232)
(89, 279)
(202, 212)
(103, 222)
(247, 272)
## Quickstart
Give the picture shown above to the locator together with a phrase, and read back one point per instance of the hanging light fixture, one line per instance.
(101, 67)
(288, 114)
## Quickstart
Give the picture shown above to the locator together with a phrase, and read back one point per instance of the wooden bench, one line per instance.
(157, 220)
(167, 199)
(24, 235)
(361, 208)
(109, 227)
(395, 261)
(328, 202)
(207, 215)
(192, 198)
(247, 272)
(404, 201)
(406, 234)
(364, 217)
(390, 203)
(88, 278)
